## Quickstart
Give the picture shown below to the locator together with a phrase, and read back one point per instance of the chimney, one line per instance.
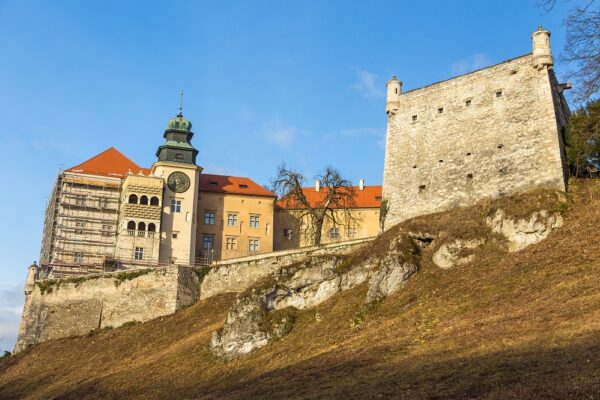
(317, 185)
(361, 184)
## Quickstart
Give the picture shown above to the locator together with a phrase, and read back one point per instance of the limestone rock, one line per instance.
(449, 255)
(524, 232)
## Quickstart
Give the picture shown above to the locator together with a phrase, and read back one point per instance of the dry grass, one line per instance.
(509, 326)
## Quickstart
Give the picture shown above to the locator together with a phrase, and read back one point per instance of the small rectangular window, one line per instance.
(499, 93)
(334, 233)
(209, 217)
(254, 221)
(440, 110)
(138, 254)
(78, 258)
(414, 118)
(79, 225)
(231, 243)
(208, 242)
(253, 245)
(351, 232)
(174, 235)
(243, 186)
(232, 219)
(80, 200)
(468, 103)
(175, 205)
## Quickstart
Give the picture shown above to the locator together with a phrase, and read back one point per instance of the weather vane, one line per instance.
(181, 102)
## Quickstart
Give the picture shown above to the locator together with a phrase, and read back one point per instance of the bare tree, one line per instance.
(333, 203)
(582, 46)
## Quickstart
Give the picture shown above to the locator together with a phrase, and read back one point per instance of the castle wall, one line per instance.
(237, 275)
(70, 307)
(468, 143)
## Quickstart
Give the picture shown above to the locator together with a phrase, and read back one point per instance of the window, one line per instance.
(214, 183)
(144, 200)
(254, 221)
(231, 219)
(174, 235)
(287, 233)
(208, 242)
(468, 103)
(138, 254)
(209, 217)
(78, 257)
(499, 93)
(179, 156)
(414, 118)
(79, 225)
(133, 199)
(80, 200)
(131, 228)
(106, 230)
(253, 245)
(151, 227)
(351, 232)
(334, 233)
(421, 188)
(154, 201)
(243, 186)
(440, 110)
(231, 243)
(103, 202)
(175, 205)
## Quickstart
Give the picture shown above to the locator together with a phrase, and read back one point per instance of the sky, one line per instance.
(265, 82)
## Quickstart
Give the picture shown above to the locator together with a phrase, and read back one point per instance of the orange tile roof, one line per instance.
(369, 197)
(232, 185)
(109, 163)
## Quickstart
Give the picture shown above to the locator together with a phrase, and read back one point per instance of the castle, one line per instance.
(108, 213)
(489, 133)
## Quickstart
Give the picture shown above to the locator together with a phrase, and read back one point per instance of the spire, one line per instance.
(180, 103)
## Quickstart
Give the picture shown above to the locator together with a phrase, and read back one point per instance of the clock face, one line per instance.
(178, 182)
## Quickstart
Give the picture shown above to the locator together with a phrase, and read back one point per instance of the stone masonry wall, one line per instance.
(456, 153)
(69, 307)
(239, 274)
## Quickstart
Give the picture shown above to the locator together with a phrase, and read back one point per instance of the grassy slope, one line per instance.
(521, 325)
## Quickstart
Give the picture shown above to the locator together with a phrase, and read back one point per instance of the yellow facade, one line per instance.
(292, 230)
(233, 225)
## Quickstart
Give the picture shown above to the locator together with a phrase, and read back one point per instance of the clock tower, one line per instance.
(177, 167)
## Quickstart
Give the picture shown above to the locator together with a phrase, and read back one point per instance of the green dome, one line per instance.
(179, 123)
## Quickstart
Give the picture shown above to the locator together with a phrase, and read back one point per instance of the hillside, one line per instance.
(507, 325)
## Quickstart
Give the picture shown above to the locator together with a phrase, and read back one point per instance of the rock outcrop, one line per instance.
(521, 233)
(456, 252)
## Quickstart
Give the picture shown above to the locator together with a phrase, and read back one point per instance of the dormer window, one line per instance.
(243, 186)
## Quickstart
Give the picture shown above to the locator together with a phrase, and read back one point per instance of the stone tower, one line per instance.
(489, 133)
(394, 90)
(177, 167)
(542, 55)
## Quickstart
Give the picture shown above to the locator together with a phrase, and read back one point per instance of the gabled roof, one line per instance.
(109, 163)
(369, 197)
(232, 185)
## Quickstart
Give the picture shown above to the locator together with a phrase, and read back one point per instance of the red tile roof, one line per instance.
(369, 197)
(109, 163)
(232, 185)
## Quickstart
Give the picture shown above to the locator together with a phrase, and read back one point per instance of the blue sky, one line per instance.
(265, 82)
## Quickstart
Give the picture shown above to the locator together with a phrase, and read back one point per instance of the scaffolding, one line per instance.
(80, 225)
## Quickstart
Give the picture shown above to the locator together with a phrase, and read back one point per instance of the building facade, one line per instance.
(293, 226)
(485, 134)
(109, 213)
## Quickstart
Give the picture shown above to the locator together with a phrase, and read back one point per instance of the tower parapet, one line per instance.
(394, 90)
(542, 55)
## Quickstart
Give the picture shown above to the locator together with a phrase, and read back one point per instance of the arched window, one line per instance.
(133, 199)
(144, 200)
(151, 228)
(141, 226)
(131, 226)
(154, 201)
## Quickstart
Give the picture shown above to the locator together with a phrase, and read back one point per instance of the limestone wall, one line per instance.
(493, 132)
(239, 274)
(69, 307)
